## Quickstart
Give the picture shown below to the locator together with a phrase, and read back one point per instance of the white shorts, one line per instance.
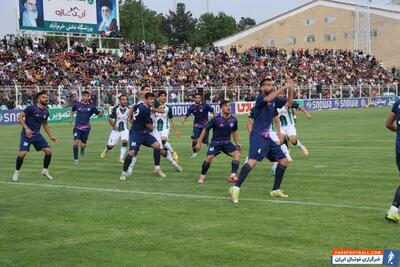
(164, 134)
(289, 130)
(115, 136)
(156, 134)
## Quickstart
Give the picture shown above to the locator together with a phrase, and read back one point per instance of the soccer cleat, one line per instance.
(160, 173)
(235, 192)
(15, 176)
(121, 160)
(76, 162)
(232, 179)
(177, 167)
(123, 176)
(202, 179)
(278, 193)
(45, 173)
(103, 153)
(175, 156)
(393, 217)
(194, 155)
(305, 151)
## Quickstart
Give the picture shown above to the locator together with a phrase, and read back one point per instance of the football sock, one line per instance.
(46, 161)
(205, 167)
(76, 150)
(19, 163)
(194, 143)
(243, 174)
(235, 167)
(279, 172)
(127, 162)
(123, 150)
(396, 200)
(157, 156)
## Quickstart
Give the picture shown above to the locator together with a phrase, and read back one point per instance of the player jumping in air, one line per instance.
(392, 123)
(261, 144)
(84, 110)
(200, 112)
(224, 126)
(31, 119)
(139, 133)
(119, 122)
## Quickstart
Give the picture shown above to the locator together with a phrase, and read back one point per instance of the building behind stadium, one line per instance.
(327, 24)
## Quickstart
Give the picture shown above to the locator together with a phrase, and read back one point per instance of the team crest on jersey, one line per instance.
(88, 109)
(231, 124)
(201, 110)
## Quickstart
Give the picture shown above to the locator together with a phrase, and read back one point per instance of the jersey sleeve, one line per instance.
(74, 107)
(235, 125)
(189, 111)
(96, 111)
(210, 124)
(28, 110)
(113, 114)
(170, 115)
(251, 114)
(280, 102)
(260, 101)
(146, 116)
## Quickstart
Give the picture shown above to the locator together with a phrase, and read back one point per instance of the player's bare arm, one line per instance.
(21, 120)
(235, 137)
(46, 128)
(391, 118)
(306, 113)
(173, 125)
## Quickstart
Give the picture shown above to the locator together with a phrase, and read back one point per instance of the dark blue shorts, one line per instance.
(261, 147)
(215, 149)
(81, 135)
(138, 139)
(37, 141)
(196, 134)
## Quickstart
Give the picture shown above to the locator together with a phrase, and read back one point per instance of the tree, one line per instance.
(245, 23)
(179, 25)
(140, 23)
(211, 28)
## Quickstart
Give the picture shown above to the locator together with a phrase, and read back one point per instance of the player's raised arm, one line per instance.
(305, 111)
(21, 120)
(46, 128)
(391, 118)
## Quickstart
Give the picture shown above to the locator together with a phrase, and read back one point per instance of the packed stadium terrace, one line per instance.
(34, 62)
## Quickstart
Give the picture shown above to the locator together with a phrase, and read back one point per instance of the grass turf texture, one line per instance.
(351, 163)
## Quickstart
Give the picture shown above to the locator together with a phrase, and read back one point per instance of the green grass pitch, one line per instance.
(338, 197)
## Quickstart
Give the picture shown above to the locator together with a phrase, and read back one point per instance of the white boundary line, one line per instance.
(178, 195)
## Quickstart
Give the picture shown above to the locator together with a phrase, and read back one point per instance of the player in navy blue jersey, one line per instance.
(224, 127)
(392, 123)
(84, 111)
(139, 134)
(200, 112)
(31, 119)
(261, 144)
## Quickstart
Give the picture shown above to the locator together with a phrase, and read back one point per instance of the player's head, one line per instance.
(149, 99)
(144, 90)
(86, 96)
(225, 106)
(106, 9)
(162, 97)
(42, 98)
(30, 6)
(266, 85)
(123, 100)
(197, 98)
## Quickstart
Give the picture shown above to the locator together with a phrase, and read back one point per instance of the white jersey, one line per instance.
(285, 116)
(161, 120)
(120, 116)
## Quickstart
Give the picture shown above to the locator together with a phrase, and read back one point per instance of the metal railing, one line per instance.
(20, 96)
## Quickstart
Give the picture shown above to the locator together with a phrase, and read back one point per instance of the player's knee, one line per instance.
(132, 153)
(237, 155)
(251, 163)
(283, 162)
(293, 140)
(209, 159)
(83, 145)
(22, 154)
(156, 145)
(110, 147)
(124, 143)
(163, 142)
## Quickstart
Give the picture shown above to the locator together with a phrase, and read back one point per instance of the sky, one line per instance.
(259, 10)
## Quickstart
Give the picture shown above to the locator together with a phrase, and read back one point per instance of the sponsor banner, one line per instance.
(385, 257)
(69, 16)
(10, 117)
(347, 103)
(244, 107)
(179, 110)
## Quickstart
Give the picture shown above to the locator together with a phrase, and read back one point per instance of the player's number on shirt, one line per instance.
(135, 114)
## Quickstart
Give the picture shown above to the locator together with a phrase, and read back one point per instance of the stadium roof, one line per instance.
(385, 10)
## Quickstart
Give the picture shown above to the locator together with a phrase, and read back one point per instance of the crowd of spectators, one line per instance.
(32, 63)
